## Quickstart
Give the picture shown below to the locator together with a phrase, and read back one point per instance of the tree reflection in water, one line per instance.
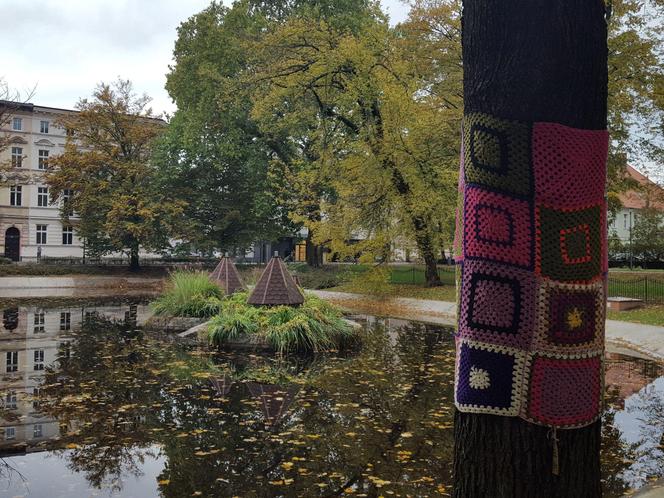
(375, 421)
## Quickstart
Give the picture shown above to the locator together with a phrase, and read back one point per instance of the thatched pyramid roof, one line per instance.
(276, 286)
(227, 277)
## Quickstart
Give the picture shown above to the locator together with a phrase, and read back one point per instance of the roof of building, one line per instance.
(276, 286)
(648, 194)
(227, 276)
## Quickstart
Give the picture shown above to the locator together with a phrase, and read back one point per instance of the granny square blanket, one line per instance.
(530, 248)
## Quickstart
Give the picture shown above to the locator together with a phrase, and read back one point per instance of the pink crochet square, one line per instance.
(498, 228)
(569, 165)
(565, 392)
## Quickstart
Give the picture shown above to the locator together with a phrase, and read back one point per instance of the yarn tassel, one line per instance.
(555, 466)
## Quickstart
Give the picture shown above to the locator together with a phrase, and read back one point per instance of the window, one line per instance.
(36, 393)
(42, 196)
(43, 159)
(67, 236)
(67, 194)
(10, 433)
(39, 322)
(625, 220)
(43, 127)
(37, 430)
(41, 234)
(12, 361)
(65, 320)
(39, 359)
(17, 157)
(65, 349)
(15, 195)
(17, 124)
(10, 400)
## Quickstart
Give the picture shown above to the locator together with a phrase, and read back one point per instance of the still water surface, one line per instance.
(94, 406)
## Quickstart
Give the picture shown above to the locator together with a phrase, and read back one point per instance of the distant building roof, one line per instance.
(649, 193)
(276, 286)
(227, 276)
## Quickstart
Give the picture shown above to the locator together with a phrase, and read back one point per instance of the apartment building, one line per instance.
(30, 223)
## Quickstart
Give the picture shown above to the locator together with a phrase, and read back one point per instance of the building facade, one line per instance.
(30, 223)
(634, 201)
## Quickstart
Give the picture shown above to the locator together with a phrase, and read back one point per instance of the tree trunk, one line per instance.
(314, 253)
(133, 259)
(531, 61)
(425, 248)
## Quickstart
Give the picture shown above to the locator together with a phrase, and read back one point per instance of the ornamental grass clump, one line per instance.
(312, 327)
(189, 294)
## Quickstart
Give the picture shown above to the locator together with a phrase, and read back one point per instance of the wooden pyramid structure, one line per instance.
(227, 276)
(276, 286)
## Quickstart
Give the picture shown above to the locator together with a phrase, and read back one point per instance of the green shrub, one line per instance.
(314, 326)
(189, 294)
(5, 261)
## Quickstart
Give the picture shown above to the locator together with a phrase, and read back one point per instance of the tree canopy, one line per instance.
(105, 178)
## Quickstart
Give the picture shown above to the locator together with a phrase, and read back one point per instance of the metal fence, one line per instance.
(649, 288)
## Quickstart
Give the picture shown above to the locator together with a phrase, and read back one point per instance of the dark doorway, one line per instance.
(13, 244)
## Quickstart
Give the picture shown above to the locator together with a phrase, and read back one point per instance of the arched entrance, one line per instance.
(13, 244)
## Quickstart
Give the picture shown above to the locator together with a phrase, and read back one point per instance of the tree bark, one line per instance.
(134, 264)
(425, 247)
(313, 252)
(531, 60)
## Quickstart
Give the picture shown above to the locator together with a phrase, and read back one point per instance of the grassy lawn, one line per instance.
(649, 315)
(443, 293)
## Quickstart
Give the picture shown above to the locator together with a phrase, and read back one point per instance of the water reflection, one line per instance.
(91, 403)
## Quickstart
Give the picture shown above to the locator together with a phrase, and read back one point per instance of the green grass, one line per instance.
(649, 315)
(189, 294)
(314, 326)
(442, 293)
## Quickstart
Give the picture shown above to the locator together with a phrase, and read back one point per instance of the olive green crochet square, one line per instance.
(570, 247)
(497, 154)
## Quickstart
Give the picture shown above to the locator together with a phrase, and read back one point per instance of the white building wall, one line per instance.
(26, 217)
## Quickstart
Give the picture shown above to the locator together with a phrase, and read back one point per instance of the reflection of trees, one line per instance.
(378, 420)
(626, 465)
(647, 407)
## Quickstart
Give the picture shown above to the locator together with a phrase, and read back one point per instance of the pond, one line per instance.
(95, 406)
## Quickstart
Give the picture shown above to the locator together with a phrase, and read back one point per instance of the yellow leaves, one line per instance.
(164, 482)
(282, 482)
(72, 446)
(287, 465)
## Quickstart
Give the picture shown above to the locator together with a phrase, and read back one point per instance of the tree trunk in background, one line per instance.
(133, 259)
(314, 253)
(531, 60)
(427, 253)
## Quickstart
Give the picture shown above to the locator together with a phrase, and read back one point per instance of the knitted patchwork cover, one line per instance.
(531, 271)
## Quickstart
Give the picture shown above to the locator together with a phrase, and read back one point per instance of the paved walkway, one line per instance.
(645, 339)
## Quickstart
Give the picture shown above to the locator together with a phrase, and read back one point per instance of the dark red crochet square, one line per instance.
(569, 165)
(498, 228)
(565, 392)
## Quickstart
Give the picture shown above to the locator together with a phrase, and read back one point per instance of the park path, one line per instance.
(645, 339)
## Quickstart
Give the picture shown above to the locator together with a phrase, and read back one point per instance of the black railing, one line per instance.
(650, 289)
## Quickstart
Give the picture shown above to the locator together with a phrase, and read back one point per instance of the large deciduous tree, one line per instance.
(535, 95)
(106, 178)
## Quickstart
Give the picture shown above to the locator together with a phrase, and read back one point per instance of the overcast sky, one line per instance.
(66, 47)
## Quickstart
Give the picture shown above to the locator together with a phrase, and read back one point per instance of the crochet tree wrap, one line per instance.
(530, 248)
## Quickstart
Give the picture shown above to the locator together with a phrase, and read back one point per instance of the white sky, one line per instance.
(65, 47)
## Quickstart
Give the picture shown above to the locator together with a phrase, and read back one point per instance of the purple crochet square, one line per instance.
(488, 380)
(498, 304)
(571, 317)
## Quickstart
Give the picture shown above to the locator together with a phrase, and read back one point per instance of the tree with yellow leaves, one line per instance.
(105, 177)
